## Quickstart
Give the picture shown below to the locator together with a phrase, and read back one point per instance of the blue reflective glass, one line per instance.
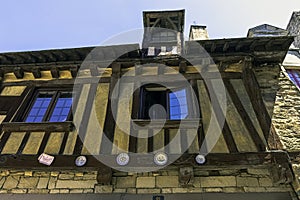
(61, 109)
(38, 110)
(178, 105)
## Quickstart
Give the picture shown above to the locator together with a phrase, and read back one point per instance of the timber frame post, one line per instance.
(252, 88)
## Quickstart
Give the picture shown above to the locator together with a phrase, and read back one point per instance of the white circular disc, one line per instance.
(123, 159)
(200, 159)
(80, 161)
(160, 158)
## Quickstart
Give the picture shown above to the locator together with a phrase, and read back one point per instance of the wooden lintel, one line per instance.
(55, 72)
(182, 67)
(36, 73)
(18, 72)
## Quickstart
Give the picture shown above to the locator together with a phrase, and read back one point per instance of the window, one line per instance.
(159, 102)
(50, 106)
(164, 36)
(294, 76)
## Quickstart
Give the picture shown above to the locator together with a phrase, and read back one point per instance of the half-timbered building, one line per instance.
(170, 119)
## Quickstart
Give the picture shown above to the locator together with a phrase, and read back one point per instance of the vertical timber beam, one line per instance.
(253, 90)
(110, 121)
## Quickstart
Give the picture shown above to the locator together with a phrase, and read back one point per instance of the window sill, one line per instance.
(43, 126)
(185, 123)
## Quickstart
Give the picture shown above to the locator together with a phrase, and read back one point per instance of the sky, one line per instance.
(27, 25)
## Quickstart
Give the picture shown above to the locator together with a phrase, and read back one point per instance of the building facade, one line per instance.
(170, 119)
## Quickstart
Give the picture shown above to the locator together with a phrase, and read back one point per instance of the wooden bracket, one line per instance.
(186, 176)
(19, 72)
(55, 73)
(104, 176)
(36, 73)
(182, 67)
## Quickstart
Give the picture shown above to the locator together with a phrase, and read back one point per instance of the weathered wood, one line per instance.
(85, 119)
(221, 116)
(104, 176)
(26, 126)
(110, 123)
(253, 90)
(74, 71)
(186, 176)
(63, 143)
(44, 142)
(3, 140)
(185, 123)
(23, 143)
(36, 73)
(18, 72)
(55, 72)
(225, 46)
(182, 67)
(18, 107)
(274, 141)
(245, 117)
(94, 71)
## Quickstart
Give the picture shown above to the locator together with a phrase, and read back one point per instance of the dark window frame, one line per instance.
(46, 118)
(191, 111)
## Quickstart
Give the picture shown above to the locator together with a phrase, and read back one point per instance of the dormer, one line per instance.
(266, 30)
(163, 32)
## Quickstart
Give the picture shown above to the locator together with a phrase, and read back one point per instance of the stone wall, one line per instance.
(294, 28)
(286, 116)
(163, 181)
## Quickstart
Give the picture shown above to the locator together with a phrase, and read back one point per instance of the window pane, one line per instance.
(39, 108)
(150, 108)
(178, 105)
(62, 108)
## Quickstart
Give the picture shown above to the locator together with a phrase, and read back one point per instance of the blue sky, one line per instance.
(48, 24)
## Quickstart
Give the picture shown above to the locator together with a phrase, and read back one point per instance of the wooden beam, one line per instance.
(94, 70)
(19, 72)
(226, 46)
(55, 72)
(238, 46)
(213, 47)
(25, 126)
(36, 73)
(85, 119)
(260, 146)
(254, 93)
(182, 67)
(74, 71)
(221, 117)
(111, 112)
